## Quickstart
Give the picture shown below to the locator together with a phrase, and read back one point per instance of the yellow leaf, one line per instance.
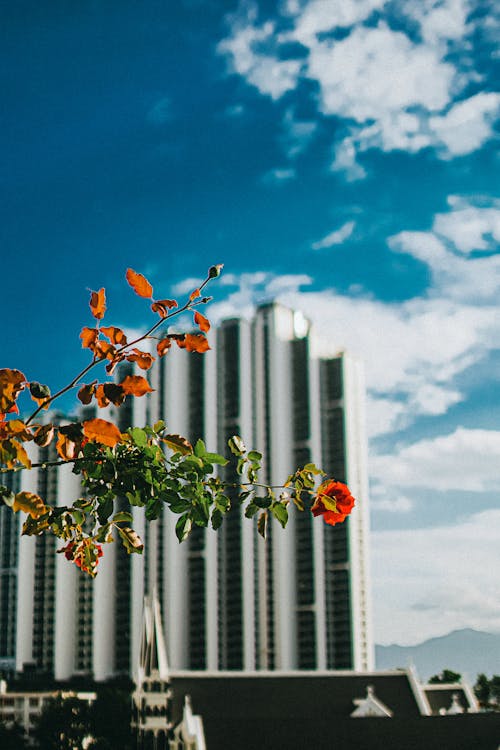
(29, 503)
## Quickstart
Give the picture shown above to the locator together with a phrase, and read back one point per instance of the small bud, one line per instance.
(205, 300)
(215, 271)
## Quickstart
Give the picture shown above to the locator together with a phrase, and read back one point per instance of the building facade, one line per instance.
(231, 600)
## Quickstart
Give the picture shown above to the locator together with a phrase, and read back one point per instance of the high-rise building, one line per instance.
(299, 599)
(231, 600)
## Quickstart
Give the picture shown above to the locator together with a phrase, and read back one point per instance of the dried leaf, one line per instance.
(178, 444)
(66, 448)
(202, 322)
(43, 435)
(130, 540)
(107, 393)
(40, 394)
(86, 393)
(98, 304)
(102, 431)
(143, 359)
(115, 335)
(29, 503)
(135, 385)
(139, 284)
(163, 346)
(162, 306)
(194, 294)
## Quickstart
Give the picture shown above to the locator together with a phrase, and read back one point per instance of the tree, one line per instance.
(446, 676)
(149, 466)
(488, 691)
(482, 690)
(63, 724)
(12, 737)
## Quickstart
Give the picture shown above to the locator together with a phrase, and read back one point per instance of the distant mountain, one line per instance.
(468, 652)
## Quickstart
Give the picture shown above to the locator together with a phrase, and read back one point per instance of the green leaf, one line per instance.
(183, 527)
(135, 498)
(104, 510)
(78, 516)
(199, 448)
(122, 516)
(139, 436)
(251, 510)
(313, 469)
(159, 426)
(280, 512)
(215, 458)
(217, 519)
(236, 445)
(255, 456)
(103, 533)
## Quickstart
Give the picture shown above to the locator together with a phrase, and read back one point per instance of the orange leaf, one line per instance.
(103, 350)
(98, 304)
(115, 335)
(194, 342)
(135, 385)
(143, 359)
(102, 432)
(139, 284)
(11, 383)
(162, 306)
(202, 322)
(163, 346)
(29, 503)
(89, 337)
(194, 294)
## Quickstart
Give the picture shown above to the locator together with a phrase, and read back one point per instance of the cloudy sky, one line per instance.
(339, 156)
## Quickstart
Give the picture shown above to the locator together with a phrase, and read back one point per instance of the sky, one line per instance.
(340, 157)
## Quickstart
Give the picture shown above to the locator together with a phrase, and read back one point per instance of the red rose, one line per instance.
(333, 501)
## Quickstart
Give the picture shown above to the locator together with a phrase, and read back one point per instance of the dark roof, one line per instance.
(311, 694)
(273, 711)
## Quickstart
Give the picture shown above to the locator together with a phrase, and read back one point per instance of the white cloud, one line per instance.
(375, 71)
(466, 125)
(243, 50)
(337, 237)
(393, 90)
(433, 580)
(465, 460)
(469, 227)
(454, 235)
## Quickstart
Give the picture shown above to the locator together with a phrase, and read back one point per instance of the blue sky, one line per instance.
(341, 157)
